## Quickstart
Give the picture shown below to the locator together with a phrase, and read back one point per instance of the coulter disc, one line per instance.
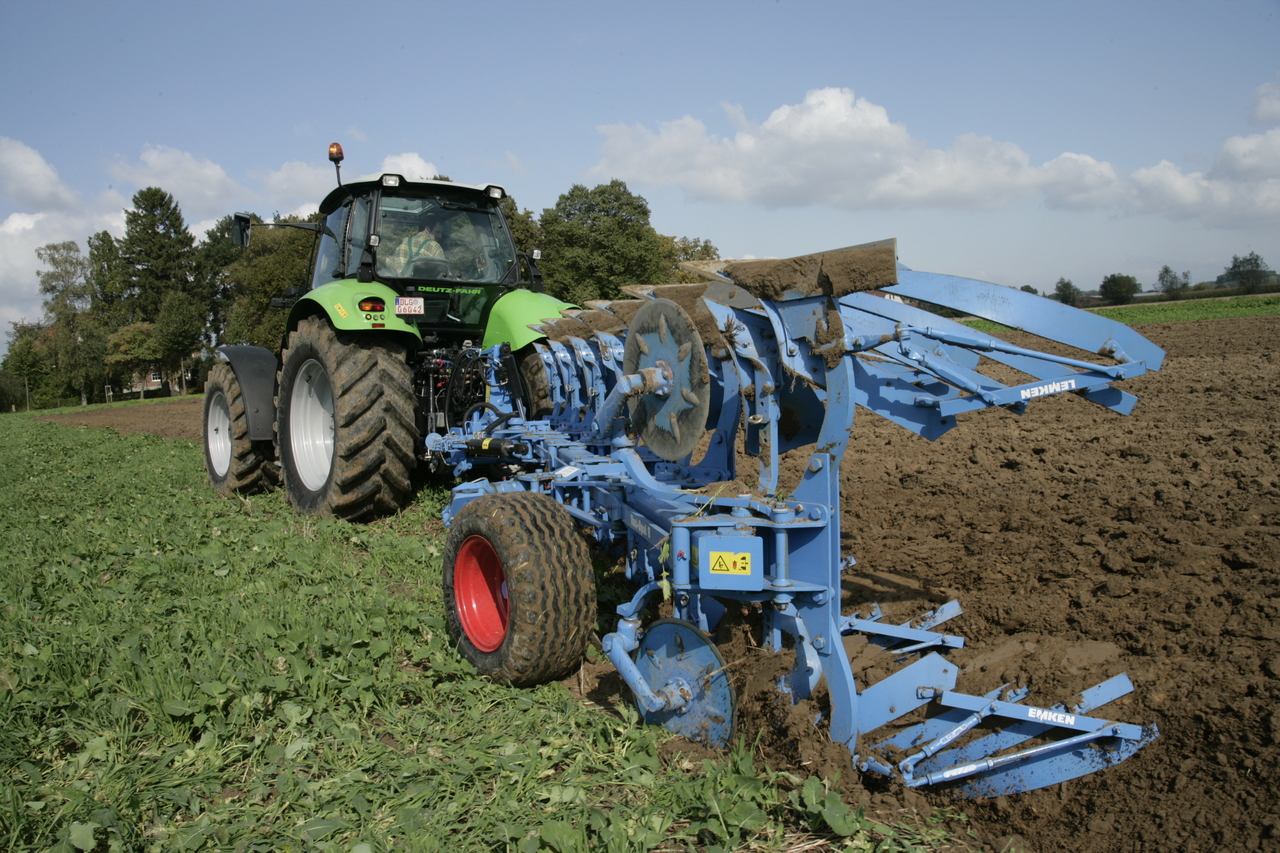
(674, 648)
(662, 335)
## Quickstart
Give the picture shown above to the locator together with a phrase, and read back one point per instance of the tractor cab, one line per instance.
(444, 248)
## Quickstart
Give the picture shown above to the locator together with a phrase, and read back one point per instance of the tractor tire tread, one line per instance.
(253, 468)
(375, 429)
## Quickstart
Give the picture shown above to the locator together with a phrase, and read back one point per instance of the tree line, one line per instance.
(157, 302)
(1246, 275)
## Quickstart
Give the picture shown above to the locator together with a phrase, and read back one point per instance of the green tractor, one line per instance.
(406, 278)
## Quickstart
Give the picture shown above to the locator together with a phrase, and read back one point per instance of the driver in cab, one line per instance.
(424, 243)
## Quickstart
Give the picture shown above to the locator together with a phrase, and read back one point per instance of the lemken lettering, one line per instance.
(1050, 388)
(1051, 717)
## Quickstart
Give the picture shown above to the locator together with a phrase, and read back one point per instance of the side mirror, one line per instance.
(535, 274)
(240, 226)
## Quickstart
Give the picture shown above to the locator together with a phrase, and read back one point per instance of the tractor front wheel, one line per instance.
(345, 424)
(518, 588)
(236, 463)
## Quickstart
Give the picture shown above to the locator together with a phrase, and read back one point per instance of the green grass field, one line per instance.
(1174, 312)
(184, 672)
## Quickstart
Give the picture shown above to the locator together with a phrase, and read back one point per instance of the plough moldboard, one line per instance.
(777, 356)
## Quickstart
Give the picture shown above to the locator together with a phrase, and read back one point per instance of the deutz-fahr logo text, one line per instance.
(450, 290)
(1050, 388)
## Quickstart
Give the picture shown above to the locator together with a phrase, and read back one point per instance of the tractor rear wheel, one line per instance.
(519, 590)
(533, 373)
(345, 424)
(236, 463)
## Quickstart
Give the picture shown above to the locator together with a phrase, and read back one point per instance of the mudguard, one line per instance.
(340, 302)
(255, 369)
(514, 312)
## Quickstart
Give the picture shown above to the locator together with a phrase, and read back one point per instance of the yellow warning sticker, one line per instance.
(342, 312)
(729, 563)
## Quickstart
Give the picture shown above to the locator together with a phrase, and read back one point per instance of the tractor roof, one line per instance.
(340, 194)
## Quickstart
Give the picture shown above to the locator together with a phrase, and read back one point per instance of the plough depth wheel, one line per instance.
(518, 587)
(673, 649)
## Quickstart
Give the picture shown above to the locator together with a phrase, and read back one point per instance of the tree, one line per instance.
(133, 349)
(1026, 288)
(1067, 293)
(65, 284)
(213, 286)
(276, 258)
(76, 339)
(106, 275)
(525, 230)
(598, 241)
(156, 253)
(177, 332)
(1171, 284)
(12, 391)
(24, 358)
(1119, 289)
(1249, 272)
(681, 249)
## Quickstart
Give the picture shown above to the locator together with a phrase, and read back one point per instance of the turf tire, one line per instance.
(345, 425)
(543, 575)
(236, 463)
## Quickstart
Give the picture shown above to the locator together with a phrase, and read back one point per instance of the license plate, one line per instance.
(409, 304)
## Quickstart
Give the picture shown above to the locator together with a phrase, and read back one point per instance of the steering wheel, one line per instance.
(429, 267)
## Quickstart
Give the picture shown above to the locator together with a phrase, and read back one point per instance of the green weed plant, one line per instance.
(184, 672)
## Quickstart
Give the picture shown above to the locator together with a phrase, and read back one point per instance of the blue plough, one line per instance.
(625, 404)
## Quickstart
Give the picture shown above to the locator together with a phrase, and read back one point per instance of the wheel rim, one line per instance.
(311, 424)
(218, 434)
(480, 592)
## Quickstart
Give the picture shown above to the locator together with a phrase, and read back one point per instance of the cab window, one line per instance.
(328, 264)
(435, 236)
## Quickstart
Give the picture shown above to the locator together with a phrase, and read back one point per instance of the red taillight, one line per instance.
(373, 305)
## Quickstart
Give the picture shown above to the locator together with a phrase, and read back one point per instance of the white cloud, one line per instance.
(1252, 157)
(298, 185)
(200, 230)
(20, 235)
(1079, 182)
(833, 149)
(409, 165)
(201, 187)
(1266, 102)
(28, 181)
(17, 223)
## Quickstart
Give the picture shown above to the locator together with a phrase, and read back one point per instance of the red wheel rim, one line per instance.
(480, 592)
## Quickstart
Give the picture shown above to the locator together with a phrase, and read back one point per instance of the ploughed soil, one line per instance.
(1081, 544)
(171, 417)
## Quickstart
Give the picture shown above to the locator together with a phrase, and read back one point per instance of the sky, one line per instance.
(1013, 141)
